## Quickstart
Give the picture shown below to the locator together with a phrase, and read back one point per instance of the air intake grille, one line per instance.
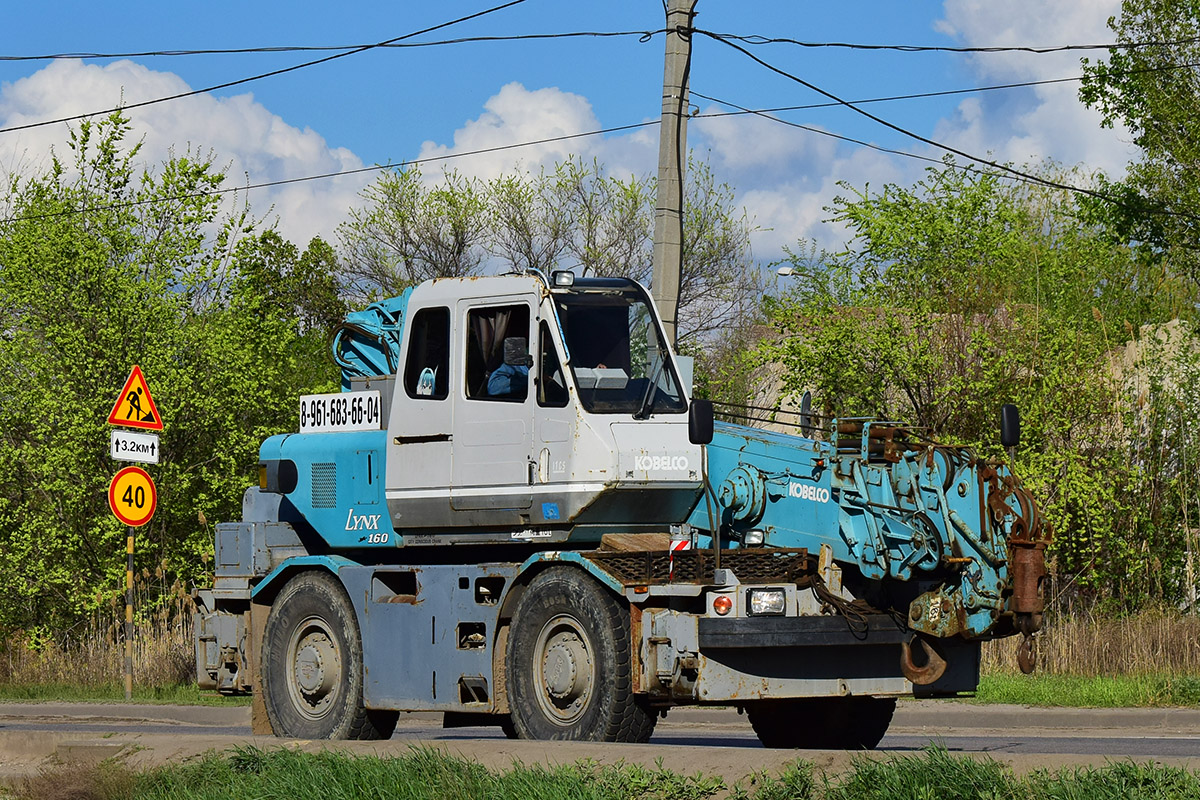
(324, 485)
(752, 565)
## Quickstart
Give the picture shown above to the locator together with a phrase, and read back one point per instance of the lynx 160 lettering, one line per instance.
(528, 522)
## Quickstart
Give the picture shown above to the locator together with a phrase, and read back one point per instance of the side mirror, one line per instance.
(700, 422)
(1010, 426)
(806, 413)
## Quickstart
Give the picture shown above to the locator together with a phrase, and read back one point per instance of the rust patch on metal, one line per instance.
(635, 647)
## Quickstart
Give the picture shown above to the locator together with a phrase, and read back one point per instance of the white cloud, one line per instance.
(247, 141)
(516, 114)
(1048, 121)
(797, 208)
(787, 177)
(752, 142)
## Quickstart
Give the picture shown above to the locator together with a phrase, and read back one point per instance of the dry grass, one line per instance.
(93, 654)
(1083, 644)
(74, 781)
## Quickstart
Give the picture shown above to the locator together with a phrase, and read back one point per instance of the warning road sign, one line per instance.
(135, 407)
(132, 496)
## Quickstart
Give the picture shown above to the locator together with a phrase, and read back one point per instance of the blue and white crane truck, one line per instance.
(513, 513)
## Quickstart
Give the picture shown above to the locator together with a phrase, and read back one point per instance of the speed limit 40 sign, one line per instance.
(132, 496)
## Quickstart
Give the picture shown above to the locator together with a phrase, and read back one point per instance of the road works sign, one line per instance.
(132, 496)
(135, 407)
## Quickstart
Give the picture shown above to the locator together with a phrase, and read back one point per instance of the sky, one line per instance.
(387, 105)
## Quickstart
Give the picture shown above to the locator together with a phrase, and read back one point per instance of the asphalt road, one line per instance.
(719, 741)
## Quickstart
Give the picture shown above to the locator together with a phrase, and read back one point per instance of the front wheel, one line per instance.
(312, 665)
(822, 723)
(569, 664)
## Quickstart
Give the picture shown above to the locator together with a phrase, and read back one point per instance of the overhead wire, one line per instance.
(325, 48)
(971, 90)
(272, 73)
(742, 110)
(909, 48)
(996, 165)
(753, 39)
(768, 113)
(327, 175)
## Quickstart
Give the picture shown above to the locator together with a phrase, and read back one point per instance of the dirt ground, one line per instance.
(33, 736)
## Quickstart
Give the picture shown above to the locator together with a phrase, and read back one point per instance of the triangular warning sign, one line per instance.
(135, 407)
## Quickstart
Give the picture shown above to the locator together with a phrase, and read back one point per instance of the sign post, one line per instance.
(132, 496)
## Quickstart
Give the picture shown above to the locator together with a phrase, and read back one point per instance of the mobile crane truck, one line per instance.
(513, 513)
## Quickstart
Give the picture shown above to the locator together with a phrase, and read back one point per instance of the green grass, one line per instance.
(175, 695)
(1033, 690)
(1137, 691)
(424, 774)
(1127, 691)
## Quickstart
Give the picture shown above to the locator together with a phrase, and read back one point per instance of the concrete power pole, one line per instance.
(672, 154)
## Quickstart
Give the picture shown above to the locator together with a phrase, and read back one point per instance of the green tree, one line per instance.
(962, 293)
(103, 265)
(574, 216)
(408, 232)
(1149, 84)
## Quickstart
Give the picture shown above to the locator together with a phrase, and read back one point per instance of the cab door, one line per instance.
(493, 412)
(421, 425)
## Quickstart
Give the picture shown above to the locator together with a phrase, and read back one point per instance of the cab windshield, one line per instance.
(617, 355)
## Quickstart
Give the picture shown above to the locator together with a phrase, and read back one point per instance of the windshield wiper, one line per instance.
(643, 411)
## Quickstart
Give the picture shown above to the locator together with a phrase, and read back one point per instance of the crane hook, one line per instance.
(1027, 655)
(931, 671)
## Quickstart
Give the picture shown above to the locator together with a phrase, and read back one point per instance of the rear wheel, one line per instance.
(312, 665)
(822, 723)
(569, 665)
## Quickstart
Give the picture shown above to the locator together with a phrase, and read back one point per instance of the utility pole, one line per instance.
(672, 153)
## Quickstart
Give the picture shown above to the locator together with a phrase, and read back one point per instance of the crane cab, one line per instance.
(531, 411)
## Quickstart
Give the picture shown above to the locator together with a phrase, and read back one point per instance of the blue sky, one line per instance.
(391, 104)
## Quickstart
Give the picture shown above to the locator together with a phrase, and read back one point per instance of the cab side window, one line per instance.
(427, 367)
(552, 386)
(497, 358)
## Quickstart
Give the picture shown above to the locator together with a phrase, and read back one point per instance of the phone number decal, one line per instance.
(344, 411)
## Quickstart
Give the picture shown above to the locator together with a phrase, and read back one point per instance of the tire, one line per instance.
(569, 665)
(506, 725)
(822, 723)
(312, 665)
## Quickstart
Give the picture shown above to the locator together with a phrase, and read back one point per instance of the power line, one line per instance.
(327, 175)
(910, 48)
(513, 146)
(766, 114)
(940, 92)
(643, 35)
(971, 90)
(1008, 172)
(752, 39)
(925, 140)
(270, 74)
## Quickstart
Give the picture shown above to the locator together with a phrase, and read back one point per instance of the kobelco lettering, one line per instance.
(805, 491)
(656, 463)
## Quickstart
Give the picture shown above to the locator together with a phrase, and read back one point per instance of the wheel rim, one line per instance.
(565, 670)
(314, 668)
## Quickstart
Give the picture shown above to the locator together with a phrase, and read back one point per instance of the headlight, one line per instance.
(766, 602)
